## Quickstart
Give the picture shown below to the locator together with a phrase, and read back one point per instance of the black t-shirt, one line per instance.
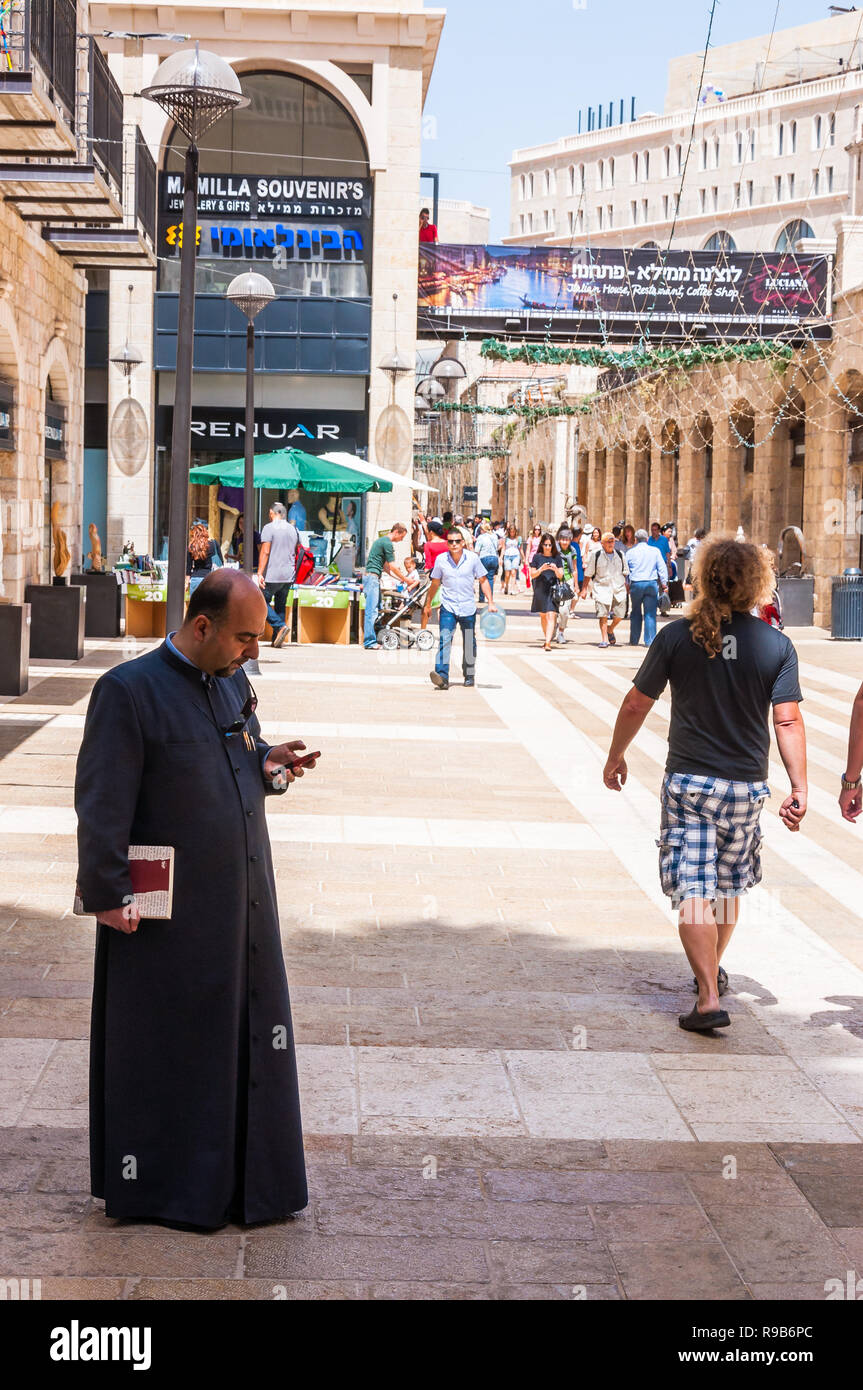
(720, 705)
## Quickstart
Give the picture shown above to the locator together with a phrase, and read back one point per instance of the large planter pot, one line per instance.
(102, 609)
(14, 648)
(56, 621)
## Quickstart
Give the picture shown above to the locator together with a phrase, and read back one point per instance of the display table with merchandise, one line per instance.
(146, 606)
(326, 613)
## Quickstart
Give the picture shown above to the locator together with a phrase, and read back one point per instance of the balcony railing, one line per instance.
(53, 25)
(105, 116)
(145, 186)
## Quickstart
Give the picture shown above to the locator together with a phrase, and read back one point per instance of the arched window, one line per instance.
(571, 180)
(798, 230)
(716, 150)
(792, 138)
(546, 183)
(611, 173)
(738, 147)
(600, 174)
(649, 246)
(702, 162)
(645, 166)
(720, 241)
(581, 178)
(816, 132)
(635, 168)
(297, 130)
(521, 188)
(780, 139)
(678, 158)
(530, 185)
(666, 162)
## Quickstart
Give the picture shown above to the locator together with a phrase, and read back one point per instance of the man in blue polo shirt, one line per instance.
(456, 574)
(647, 569)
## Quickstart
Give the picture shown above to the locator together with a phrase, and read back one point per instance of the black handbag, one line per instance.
(561, 592)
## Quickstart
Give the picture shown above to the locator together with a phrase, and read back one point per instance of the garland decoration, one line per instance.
(530, 412)
(457, 456)
(682, 359)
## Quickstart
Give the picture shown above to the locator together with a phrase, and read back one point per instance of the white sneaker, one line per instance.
(561, 639)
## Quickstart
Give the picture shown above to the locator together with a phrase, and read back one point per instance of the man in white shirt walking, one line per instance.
(277, 566)
(456, 573)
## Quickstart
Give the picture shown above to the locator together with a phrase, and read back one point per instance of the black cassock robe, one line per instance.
(194, 1107)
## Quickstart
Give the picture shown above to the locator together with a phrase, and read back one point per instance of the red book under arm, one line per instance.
(151, 869)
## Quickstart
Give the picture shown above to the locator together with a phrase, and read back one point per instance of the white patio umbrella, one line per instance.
(375, 471)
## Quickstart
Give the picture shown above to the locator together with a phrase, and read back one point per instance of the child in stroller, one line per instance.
(396, 625)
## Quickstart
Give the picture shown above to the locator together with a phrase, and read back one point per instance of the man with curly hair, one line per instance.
(726, 669)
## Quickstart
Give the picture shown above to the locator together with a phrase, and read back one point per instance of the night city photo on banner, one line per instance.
(586, 294)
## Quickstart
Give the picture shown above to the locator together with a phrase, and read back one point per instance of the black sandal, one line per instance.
(721, 982)
(696, 1022)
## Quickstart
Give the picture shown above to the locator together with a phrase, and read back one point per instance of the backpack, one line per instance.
(304, 562)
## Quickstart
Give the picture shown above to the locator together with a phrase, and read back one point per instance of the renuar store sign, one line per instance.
(223, 430)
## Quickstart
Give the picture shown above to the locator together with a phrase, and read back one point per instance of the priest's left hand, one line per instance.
(280, 761)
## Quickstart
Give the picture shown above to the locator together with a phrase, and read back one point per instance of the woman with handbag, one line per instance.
(546, 572)
(608, 570)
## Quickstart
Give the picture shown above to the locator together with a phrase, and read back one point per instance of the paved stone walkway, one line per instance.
(498, 1102)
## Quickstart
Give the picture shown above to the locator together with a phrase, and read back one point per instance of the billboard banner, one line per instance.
(592, 294)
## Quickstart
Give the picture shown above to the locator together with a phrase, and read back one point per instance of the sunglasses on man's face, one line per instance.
(455, 542)
(238, 725)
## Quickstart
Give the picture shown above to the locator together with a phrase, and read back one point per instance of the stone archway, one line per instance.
(741, 471)
(669, 465)
(850, 505)
(11, 518)
(701, 512)
(59, 477)
(638, 492)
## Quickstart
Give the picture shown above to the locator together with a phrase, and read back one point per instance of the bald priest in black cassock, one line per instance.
(194, 1106)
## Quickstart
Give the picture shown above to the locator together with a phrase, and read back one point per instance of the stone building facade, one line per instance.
(760, 167)
(41, 360)
(760, 445)
(366, 71)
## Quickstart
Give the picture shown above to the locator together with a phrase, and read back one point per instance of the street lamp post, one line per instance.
(250, 293)
(194, 88)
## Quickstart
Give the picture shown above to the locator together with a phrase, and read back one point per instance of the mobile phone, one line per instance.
(304, 760)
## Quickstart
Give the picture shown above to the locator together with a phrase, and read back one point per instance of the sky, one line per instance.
(511, 73)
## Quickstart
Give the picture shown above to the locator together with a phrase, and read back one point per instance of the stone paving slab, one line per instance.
(497, 1101)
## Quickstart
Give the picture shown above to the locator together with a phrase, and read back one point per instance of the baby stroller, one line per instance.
(394, 628)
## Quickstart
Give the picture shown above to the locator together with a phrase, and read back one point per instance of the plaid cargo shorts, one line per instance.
(709, 837)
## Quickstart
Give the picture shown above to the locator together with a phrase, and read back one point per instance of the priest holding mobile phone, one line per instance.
(194, 1105)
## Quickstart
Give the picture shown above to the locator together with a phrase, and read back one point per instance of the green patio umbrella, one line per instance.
(284, 468)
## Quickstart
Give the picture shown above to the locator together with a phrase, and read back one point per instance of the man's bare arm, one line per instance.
(791, 738)
(631, 715)
(851, 802)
